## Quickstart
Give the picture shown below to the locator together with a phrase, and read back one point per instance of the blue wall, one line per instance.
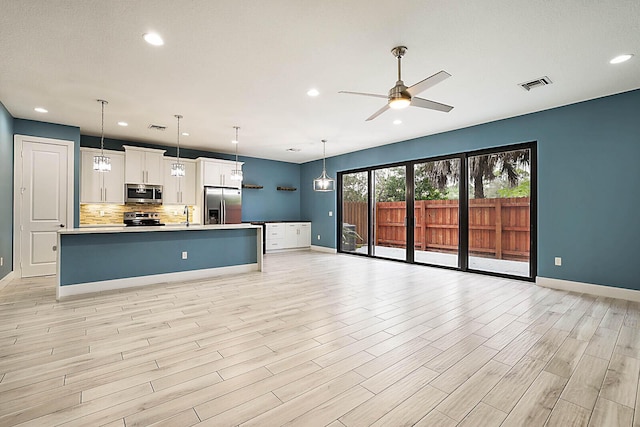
(6, 190)
(266, 204)
(588, 175)
(83, 257)
(55, 131)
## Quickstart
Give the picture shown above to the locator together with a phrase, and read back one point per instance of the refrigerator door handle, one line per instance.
(222, 212)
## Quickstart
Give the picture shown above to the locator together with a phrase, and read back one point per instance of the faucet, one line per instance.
(186, 212)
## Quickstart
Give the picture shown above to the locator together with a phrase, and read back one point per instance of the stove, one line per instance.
(142, 219)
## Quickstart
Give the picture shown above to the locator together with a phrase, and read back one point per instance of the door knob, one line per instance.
(61, 225)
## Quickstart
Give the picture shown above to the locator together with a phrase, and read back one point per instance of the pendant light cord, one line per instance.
(102, 101)
(324, 155)
(237, 142)
(178, 116)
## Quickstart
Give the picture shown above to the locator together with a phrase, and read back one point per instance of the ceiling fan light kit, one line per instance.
(401, 96)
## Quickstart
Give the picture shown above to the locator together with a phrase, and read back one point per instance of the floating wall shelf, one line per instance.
(286, 188)
(253, 186)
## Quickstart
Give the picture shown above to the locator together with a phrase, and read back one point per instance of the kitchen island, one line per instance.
(106, 258)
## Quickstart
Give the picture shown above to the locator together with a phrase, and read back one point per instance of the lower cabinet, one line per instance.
(287, 235)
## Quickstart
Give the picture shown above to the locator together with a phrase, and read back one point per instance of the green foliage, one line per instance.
(391, 187)
(521, 190)
(355, 187)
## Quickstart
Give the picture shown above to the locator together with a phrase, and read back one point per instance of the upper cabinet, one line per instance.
(215, 172)
(143, 165)
(101, 187)
(179, 190)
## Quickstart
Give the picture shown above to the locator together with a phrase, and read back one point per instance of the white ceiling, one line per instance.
(250, 63)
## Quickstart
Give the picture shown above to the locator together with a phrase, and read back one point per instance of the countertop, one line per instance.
(176, 227)
(276, 222)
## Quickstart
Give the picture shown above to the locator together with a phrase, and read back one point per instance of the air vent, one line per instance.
(157, 127)
(293, 150)
(542, 81)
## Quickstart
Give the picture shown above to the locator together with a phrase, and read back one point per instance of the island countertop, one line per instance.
(144, 229)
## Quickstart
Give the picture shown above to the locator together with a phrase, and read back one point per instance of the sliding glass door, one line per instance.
(499, 212)
(436, 212)
(355, 213)
(471, 211)
(390, 213)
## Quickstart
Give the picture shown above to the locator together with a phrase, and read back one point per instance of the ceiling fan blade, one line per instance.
(377, 113)
(432, 105)
(364, 94)
(428, 82)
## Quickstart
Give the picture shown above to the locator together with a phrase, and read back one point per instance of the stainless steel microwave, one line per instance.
(140, 193)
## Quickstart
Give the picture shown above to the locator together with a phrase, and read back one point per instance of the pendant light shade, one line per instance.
(102, 163)
(324, 182)
(177, 168)
(236, 174)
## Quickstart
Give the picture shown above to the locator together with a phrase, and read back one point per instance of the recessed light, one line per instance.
(397, 122)
(234, 141)
(153, 38)
(185, 133)
(620, 58)
(123, 124)
(41, 110)
(313, 92)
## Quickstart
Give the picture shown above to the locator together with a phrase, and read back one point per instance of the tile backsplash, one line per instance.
(101, 214)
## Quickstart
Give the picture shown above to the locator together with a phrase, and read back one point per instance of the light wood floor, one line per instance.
(319, 339)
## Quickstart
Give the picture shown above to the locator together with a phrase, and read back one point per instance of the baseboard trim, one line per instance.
(154, 279)
(323, 249)
(6, 279)
(588, 288)
(279, 251)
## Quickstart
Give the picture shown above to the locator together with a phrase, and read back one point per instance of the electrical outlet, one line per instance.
(184, 255)
(101, 213)
(318, 237)
(330, 213)
(558, 261)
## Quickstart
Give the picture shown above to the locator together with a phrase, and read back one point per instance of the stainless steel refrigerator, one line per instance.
(222, 205)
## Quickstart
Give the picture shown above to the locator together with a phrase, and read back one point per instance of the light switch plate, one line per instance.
(184, 255)
(558, 261)
(330, 213)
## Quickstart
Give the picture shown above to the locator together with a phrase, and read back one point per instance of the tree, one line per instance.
(482, 169)
(355, 187)
(391, 186)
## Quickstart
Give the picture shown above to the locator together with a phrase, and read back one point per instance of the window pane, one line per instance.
(437, 194)
(390, 212)
(499, 212)
(355, 189)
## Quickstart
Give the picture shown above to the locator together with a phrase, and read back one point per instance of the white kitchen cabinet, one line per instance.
(297, 235)
(101, 187)
(275, 236)
(179, 190)
(143, 165)
(217, 172)
(287, 235)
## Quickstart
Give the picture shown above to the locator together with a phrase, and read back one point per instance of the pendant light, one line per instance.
(236, 174)
(177, 168)
(102, 163)
(324, 182)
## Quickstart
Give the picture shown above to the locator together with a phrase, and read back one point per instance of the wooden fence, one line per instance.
(498, 228)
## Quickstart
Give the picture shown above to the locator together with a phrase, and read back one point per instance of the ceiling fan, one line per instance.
(401, 96)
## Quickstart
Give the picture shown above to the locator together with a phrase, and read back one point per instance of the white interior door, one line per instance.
(44, 201)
